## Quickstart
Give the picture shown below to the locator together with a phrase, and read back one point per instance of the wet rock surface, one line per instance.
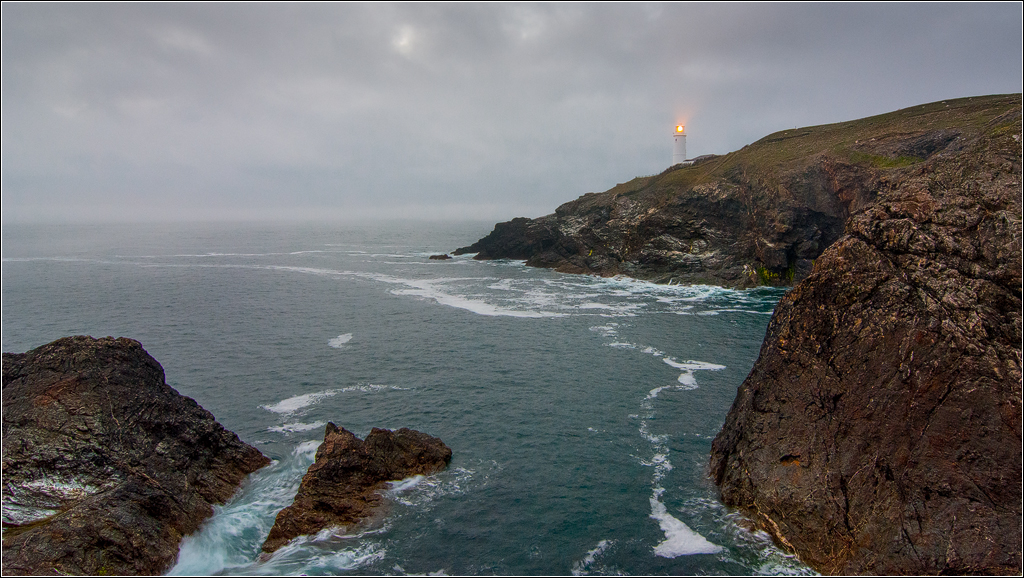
(105, 467)
(342, 487)
(757, 216)
(880, 429)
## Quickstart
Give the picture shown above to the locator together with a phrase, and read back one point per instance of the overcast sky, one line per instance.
(118, 112)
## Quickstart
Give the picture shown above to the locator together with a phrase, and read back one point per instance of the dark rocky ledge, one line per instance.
(879, 431)
(342, 487)
(105, 467)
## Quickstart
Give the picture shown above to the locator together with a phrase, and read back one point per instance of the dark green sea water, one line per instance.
(580, 410)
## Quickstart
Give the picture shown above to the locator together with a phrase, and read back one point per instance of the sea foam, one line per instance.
(294, 404)
(299, 402)
(340, 341)
(586, 565)
(297, 427)
(679, 540)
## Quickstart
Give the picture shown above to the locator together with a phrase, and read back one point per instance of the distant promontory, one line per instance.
(757, 216)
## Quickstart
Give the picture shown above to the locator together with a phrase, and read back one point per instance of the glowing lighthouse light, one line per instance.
(679, 152)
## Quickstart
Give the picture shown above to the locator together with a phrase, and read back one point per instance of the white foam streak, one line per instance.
(584, 566)
(473, 305)
(307, 556)
(307, 449)
(679, 540)
(294, 404)
(300, 402)
(686, 379)
(297, 427)
(340, 341)
(403, 485)
(691, 365)
(531, 297)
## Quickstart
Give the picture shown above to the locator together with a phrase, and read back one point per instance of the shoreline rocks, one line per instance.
(106, 467)
(879, 431)
(342, 487)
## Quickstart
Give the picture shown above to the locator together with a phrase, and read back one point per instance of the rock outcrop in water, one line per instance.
(757, 216)
(105, 467)
(880, 429)
(342, 487)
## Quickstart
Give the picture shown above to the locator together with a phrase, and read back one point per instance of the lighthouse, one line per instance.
(679, 150)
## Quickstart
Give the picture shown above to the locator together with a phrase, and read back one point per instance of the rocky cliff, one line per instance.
(759, 215)
(880, 429)
(342, 487)
(105, 467)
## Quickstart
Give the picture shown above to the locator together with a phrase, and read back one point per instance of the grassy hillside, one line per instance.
(862, 142)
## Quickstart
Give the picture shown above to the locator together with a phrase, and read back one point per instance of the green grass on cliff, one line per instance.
(849, 141)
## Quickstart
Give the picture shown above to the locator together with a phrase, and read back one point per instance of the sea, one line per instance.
(580, 410)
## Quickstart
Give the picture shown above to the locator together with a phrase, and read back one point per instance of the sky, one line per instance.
(190, 111)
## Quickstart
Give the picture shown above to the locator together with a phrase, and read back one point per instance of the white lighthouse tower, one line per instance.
(679, 150)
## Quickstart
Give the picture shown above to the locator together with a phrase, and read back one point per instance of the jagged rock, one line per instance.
(105, 467)
(342, 486)
(441, 257)
(880, 429)
(757, 216)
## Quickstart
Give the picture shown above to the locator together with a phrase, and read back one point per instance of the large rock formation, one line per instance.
(342, 487)
(759, 215)
(880, 429)
(105, 467)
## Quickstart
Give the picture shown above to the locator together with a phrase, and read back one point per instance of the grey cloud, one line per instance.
(461, 110)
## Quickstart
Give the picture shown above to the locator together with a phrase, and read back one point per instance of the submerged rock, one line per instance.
(342, 486)
(880, 429)
(105, 467)
(441, 257)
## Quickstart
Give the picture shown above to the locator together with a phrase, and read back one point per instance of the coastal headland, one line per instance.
(757, 216)
(880, 428)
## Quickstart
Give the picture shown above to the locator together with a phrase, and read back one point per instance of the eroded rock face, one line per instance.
(105, 467)
(880, 429)
(342, 486)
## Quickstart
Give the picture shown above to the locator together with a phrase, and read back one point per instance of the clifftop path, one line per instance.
(757, 216)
